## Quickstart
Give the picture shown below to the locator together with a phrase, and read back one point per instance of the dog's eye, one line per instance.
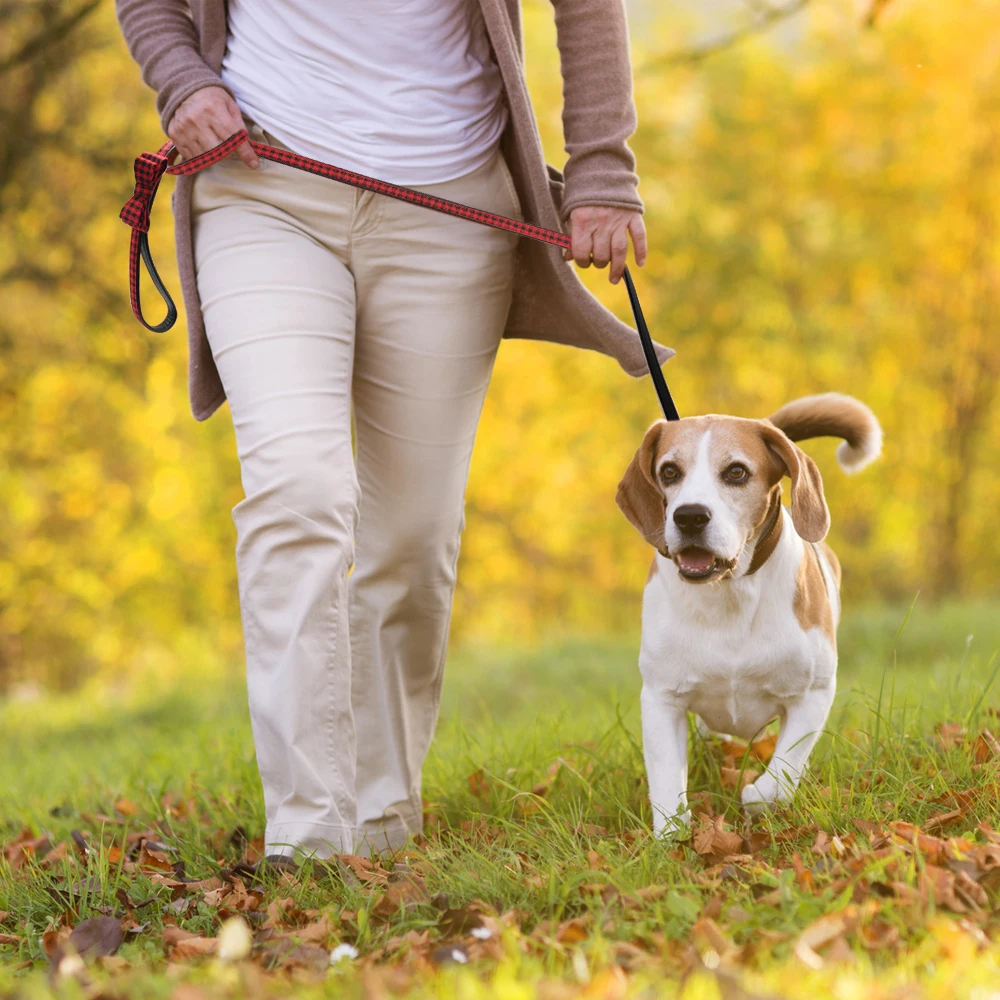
(736, 473)
(670, 473)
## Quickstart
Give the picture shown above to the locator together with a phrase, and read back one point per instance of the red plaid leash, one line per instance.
(150, 168)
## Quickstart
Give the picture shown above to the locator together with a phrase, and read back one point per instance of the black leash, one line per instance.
(652, 362)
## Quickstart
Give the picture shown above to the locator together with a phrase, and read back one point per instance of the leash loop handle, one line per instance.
(150, 168)
(147, 258)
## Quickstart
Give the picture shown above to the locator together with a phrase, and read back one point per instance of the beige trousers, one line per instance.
(318, 296)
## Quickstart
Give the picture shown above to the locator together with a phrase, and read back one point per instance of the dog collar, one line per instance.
(768, 542)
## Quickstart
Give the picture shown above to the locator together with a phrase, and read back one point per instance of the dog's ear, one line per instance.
(810, 514)
(639, 497)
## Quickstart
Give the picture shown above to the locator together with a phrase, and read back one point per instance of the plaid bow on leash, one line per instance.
(150, 168)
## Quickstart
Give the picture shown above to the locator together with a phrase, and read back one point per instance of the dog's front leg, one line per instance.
(804, 721)
(665, 747)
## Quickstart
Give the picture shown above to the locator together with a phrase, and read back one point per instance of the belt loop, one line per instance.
(256, 132)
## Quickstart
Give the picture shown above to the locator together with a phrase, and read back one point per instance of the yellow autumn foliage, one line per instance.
(823, 215)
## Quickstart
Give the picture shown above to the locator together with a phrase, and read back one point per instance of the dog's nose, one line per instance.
(692, 517)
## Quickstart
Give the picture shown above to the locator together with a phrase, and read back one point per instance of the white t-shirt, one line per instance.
(404, 90)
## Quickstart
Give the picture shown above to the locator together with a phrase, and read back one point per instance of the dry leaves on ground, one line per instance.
(897, 878)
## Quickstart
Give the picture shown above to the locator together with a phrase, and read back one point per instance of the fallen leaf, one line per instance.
(993, 836)
(803, 877)
(289, 955)
(53, 858)
(819, 933)
(821, 845)
(957, 893)
(152, 859)
(53, 941)
(712, 838)
(840, 845)
(575, 930)
(878, 935)
(401, 895)
(944, 819)
(362, 867)
(479, 785)
(25, 847)
(179, 886)
(707, 936)
(873, 831)
(763, 749)
(733, 776)
(96, 936)
(185, 945)
(949, 734)
(986, 747)
(318, 932)
(181, 905)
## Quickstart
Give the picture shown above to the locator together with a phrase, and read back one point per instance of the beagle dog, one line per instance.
(741, 605)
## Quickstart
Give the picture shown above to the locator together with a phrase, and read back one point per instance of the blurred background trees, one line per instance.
(822, 210)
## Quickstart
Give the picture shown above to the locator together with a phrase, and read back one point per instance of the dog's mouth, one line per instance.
(696, 564)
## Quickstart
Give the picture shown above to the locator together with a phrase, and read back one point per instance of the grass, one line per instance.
(579, 898)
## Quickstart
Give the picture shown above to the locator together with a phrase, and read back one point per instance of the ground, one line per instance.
(538, 875)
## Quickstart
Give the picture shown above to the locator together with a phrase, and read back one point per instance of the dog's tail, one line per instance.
(834, 415)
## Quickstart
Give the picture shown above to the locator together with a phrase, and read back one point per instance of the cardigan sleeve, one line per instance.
(598, 108)
(163, 40)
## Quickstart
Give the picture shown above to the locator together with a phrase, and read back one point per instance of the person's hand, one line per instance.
(206, 118)
(600, 236)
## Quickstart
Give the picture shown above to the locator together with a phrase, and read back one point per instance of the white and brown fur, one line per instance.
(742, 602)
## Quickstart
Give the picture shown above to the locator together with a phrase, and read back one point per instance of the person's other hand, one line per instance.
(600, 236)
(206, 118)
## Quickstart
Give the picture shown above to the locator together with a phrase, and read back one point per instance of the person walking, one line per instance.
(309, 301)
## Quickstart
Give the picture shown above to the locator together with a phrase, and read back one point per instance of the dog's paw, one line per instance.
(761, 795)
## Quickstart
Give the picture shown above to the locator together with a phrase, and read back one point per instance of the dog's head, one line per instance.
(703, 488)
